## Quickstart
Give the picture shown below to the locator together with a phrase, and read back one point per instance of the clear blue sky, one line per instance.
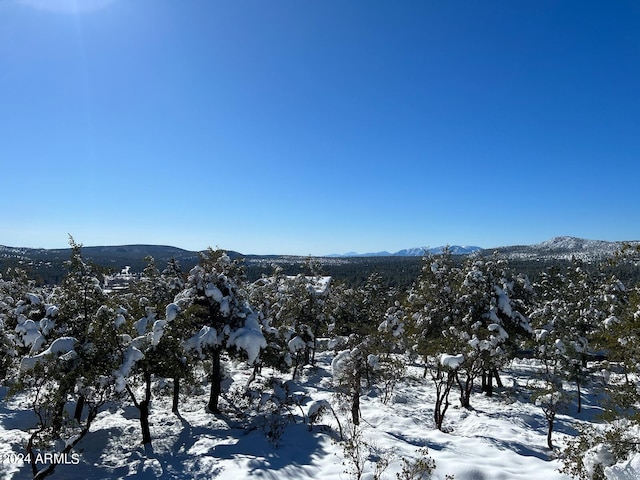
(316, 127)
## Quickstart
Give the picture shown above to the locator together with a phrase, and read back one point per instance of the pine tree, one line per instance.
(217, 317)
(470, 312)
(492, 324)
(569, 312)
(433, 306)
(77, 357)
(145, 356)
(371, 329)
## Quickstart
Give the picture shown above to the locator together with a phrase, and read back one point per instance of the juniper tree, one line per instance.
(433, 309)
(616, 439)
(570, 310)
(492, 320)
(217, 316)
(69, 365)
(292, 310)
(471, 312)
(267, 295)
(371, 328)
(78, 300)
(149, 298)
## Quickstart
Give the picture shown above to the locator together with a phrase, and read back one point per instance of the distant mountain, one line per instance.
(563, 248)
(48, 265)
(412, 252)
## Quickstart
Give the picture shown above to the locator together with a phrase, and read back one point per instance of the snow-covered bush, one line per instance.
(420, 468)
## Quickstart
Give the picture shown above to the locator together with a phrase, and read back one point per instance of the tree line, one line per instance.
(72, 349)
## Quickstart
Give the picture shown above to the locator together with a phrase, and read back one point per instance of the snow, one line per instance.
(340, 365)
(249, 338)
(51, 311)
(503, 302)
(59, 346)
(373, 361)
(451, 361)
(131, 356)
(119, 321)
(611, 321)
(171, 312)
(33, 298)
(321, 285)
(494, 327)
(28, 330)
(296, 344)
(213, 292)
(206, 337)
(541, 334)
(551, 398)
(225, 307)
(157, 331)
(317, 407)
(141, 324)
(318, 285)
(501, 438)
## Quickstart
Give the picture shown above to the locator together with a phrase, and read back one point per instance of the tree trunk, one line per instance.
(144, 422)
(489, 386)
(465, 391)
(254, 373)
(47, 471)
(58, 415)
(496, 375)
(316, 332)
(579, 396)
(550, 419)
(216, 381)
(355, 404)
(442, 397)
(176, 394)
(143, 407)
(77, 414)
(295, 368)
(307, 355)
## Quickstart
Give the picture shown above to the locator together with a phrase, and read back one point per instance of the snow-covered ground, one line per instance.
(501, 438)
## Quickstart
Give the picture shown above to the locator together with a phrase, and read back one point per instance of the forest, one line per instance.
(75, 350)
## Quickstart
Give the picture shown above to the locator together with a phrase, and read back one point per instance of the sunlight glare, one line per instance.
(68, 6)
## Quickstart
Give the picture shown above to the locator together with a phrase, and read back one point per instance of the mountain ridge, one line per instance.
(48, 266)
(411, 252)
(560, 245)
(564, 248)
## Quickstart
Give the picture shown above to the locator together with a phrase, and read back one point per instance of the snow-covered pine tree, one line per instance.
(79, 297)
(568, 313)
(148, 350)
(217, 316)
(77, 358)
(173, 277)
(492, 323)
(616, 439)
(7, 349)
(432, 304)
(368, 326)
(268, 295)
(292, 310)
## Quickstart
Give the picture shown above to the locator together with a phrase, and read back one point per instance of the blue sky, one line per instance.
(316, 127)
